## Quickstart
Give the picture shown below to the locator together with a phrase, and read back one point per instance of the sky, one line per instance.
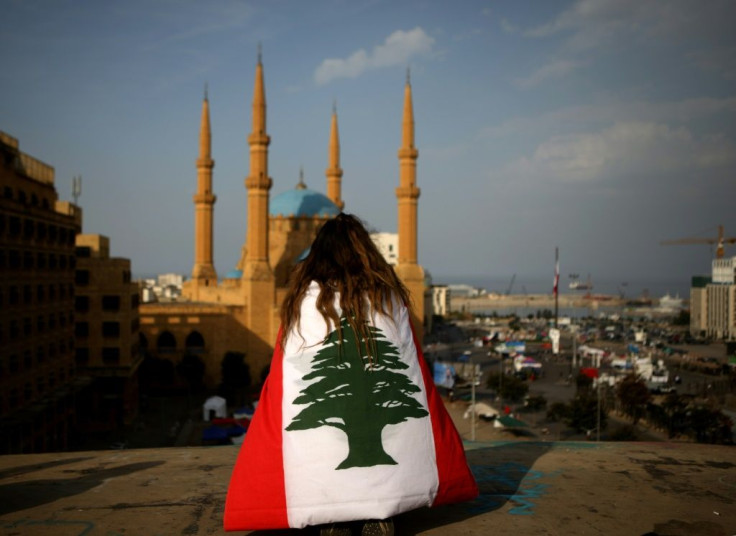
(601, 127)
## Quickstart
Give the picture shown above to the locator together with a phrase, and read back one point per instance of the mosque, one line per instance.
(240, 312)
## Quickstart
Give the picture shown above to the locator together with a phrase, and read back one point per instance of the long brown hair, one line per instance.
(344, 261)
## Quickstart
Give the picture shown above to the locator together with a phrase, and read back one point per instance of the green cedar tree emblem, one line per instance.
(357, 396)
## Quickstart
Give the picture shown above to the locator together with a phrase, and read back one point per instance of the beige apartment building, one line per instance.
(38, 378)
(107, 332)
(240, 311)
(713, 302)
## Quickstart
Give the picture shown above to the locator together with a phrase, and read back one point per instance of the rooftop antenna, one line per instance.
(76, 188)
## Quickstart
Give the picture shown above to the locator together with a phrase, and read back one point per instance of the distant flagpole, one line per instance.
(557, 281)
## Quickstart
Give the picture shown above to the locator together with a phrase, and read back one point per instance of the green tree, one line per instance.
(583, 413)
(357, 394)
(512, 388)
(633, 394)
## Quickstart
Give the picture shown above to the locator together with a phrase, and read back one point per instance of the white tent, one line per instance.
(214, 406)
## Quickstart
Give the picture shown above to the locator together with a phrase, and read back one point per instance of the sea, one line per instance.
(628, 289)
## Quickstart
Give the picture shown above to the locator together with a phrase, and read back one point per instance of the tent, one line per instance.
(214, 406)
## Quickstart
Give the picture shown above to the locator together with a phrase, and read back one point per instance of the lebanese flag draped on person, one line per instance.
(340, 436)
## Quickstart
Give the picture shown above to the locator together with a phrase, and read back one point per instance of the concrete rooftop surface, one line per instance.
(527, 488)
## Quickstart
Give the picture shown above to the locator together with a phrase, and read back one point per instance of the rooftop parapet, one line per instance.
(527, 487)
(27, 165)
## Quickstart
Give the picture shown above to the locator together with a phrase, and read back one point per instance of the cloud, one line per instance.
(721, 60)
(595, 23)
(626, 151)
(507, 27)
(556, 69)
(397, 49)
(583, 116)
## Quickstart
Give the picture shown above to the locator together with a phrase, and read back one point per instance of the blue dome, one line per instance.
(234, 274)
(302, 202)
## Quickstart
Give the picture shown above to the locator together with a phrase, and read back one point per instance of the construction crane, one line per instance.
(511, 285)
(721, 241)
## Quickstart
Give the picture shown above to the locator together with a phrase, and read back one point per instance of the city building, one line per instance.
(713, 302)
(240, 311)
(38, 378)
(107, 336)
(388, 245)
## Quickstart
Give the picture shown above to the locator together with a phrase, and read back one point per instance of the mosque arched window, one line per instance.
(166, 342)
(195, 342)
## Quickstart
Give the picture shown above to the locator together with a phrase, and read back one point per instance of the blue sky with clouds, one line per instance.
(599, 126)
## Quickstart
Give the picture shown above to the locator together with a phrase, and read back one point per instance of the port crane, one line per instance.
(720, 241)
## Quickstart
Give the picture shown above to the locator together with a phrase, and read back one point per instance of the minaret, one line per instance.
(407, 195)
(334, 171)
(258, 283)
(203, 273)
(258, 184)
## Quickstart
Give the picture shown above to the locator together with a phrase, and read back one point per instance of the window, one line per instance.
(40, 294)
(40, 385)
(111, 355)
(81, 304)
(52, 321)
(41, 261)
(40, 354)
(53, 263)
(14, 363)
(14, 259)
(52, 292)
(14, 329)
(81, 356)
(40, 324)
(111, 303)
(27, 295)
(28, 260)
(14, 226)
(27, 360)
(81, 329)
(111, 329)
(134, 301)
(27, 326)
(14, 295)
(41, 231)
(83, 251)
(28, 229)
(81, 277)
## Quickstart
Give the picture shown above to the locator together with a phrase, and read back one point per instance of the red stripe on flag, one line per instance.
(456, 482)
(256, 498)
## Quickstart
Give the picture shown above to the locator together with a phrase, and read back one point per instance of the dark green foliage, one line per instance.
(583, 412)
(535, 403)
(512, 388)
(710, 425)
(558, 411)
(633, 394)
(583, 382)
(357, 396)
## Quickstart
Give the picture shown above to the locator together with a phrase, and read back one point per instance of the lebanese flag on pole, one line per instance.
(557, 273)
(338, 437)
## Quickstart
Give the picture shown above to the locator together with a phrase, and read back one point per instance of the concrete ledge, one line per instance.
(527, 488)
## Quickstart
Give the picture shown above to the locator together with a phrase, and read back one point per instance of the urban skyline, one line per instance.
(600, 127)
